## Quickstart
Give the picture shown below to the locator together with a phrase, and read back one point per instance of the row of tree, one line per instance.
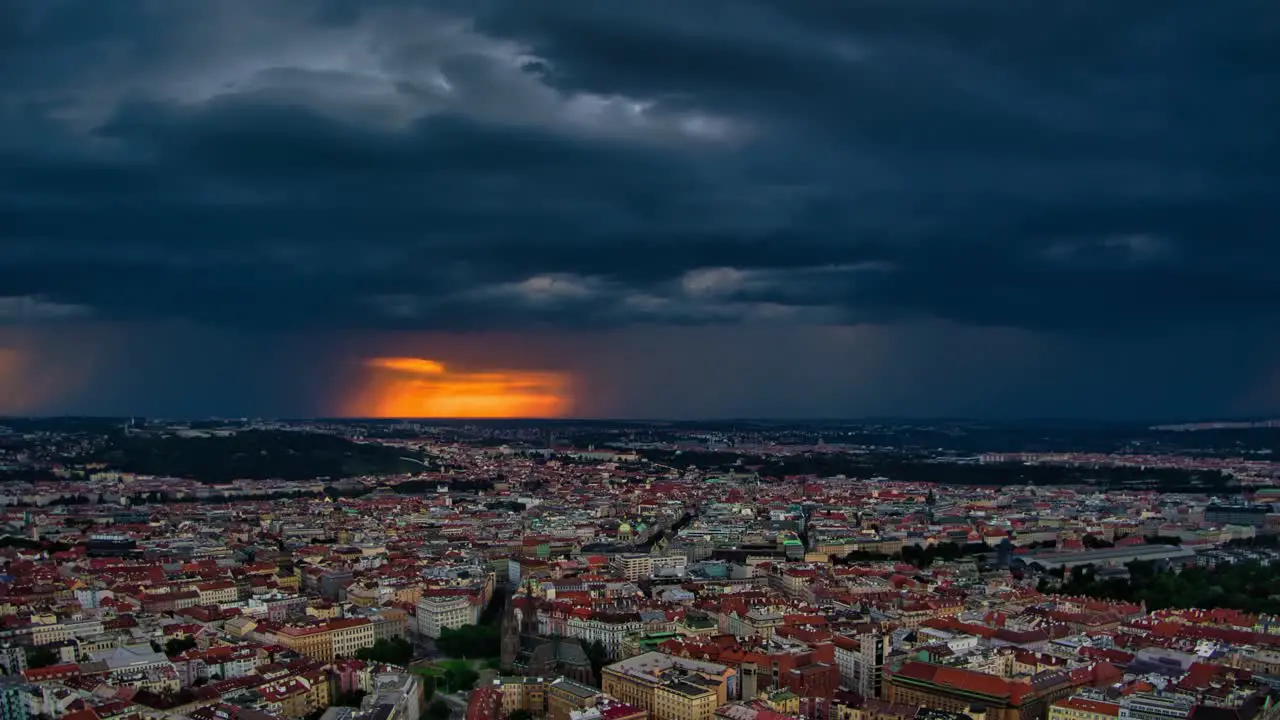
(921, 557)
(922, 467)
(396, 651)
(470, 641)
(1249, 586)
(251, 454)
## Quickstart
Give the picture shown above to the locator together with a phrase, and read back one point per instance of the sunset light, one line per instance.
(10, 385)
(27, 386)
(407, 387)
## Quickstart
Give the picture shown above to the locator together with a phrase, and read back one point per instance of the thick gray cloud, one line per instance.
(1071, 170)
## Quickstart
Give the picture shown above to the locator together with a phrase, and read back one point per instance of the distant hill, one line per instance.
(251, 455)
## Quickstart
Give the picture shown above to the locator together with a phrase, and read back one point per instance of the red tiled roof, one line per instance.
(1092, 706)
(964, 680)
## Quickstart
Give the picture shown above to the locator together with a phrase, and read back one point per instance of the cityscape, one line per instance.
(566, 570)
(639, 360)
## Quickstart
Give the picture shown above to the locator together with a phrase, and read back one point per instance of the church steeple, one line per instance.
(528, 613)
(510, 632)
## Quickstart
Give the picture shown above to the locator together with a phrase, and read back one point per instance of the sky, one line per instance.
(659, 209)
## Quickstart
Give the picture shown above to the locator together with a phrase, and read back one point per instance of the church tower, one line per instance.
(510, 633)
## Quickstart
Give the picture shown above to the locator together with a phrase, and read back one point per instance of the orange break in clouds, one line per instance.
(407, 387)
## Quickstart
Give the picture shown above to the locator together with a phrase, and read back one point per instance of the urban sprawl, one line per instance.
(511, 575)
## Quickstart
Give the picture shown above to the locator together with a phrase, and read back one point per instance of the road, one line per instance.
(457, 703)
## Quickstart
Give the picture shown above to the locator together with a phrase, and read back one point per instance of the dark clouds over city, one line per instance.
(687, 209)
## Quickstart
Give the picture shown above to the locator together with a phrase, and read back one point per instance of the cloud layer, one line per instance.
(330, 167)
(507, 164)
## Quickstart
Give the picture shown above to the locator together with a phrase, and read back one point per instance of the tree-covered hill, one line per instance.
(252, 455)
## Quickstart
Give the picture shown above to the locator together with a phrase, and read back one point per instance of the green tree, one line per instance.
(396, 651)
(428, 687)
(470, 641)
(38, 657)
(438, 710)
(178, 645)
(1244, 586)
(460, 676)
(598, 656)
(1094, 542)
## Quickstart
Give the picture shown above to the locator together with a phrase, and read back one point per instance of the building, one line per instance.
(1156, 706)
(139, 665)
(217, 663)
(17, 699)
(389, 624)
(565, 697)
(1250, 515)
(607, 709)
(1108, 557)
(761, 622)
(333, 584)
(684, 700)
(13, 659)
(280, 607)
(1081, 708)
(351, 634)
(217, 592)
(328, 640)
(485, 704)
(637, 566)
(314, 641)
(522, 693)
(526, 652)
(861, 662)
(670, 688)
(943, 687)
(609, 629)
(632, 566)
(437, 611)
(393, 696)
(806, 669)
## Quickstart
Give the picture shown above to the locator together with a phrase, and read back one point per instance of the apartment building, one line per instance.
(670, 688)
(684, 700)
(217, 592)
(609, 710)
(565, 697)
(761, 622)
(955, 689)
(522, 693)
(1156, 706)
(329, 640)
(438, 610)
(1079, 708)
(861, 662)
(632, 566)
(314, 641)
(639, 566)
(389, 623)
(609, 629)
(351, 634)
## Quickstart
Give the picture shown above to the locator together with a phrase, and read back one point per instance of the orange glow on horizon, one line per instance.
(407, 387)
(416, 366)
(29, 386)
(11, 400)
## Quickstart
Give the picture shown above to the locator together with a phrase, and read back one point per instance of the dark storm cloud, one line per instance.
(525, 164)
